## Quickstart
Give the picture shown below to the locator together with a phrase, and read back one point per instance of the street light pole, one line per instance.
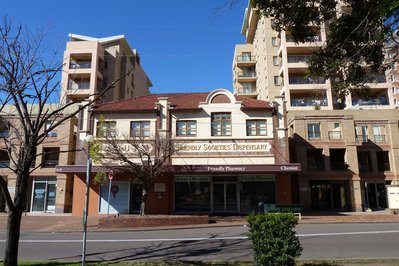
(85, 210)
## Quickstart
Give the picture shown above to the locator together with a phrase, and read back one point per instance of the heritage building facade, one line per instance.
(231, 153)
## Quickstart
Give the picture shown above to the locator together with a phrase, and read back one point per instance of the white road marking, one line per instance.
(192, 238)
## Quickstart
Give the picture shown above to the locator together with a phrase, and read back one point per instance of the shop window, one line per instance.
(106, 129)
(383, 161)
(256, 127)
(337, 159)
(50, 157)
(315, 159)
(364, 160)
(221, 124)
(4, 159)
(186, 128)
(139, 129)
(192, 194)
(313, 131)
(251, 193)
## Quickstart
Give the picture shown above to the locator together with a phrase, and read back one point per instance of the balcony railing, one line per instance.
(316, 38)
(4, 134)
(50, 163)
(379, 138)
(306, 80)
(298, 58)
(362, 138)
(308, 102)
(79, 86)
(80, 65)
(371, 101)
(247, 91)
(245, 58)
(334, 135)
(246, 74)
(377, 79)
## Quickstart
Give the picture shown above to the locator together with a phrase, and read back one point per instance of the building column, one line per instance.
(283, 186)
(356, 194)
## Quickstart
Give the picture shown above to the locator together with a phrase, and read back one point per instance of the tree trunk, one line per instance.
(13, 228)
(143, 202)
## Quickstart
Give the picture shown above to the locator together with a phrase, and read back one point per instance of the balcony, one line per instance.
(246, 76)
(247, 92)
(85, 85)
(80, 65)
(334, 135)
(245, 60)
(316, 38)
(370, 101)
(297, 80)
(362, 138)
(298, 58)
(307, 102)
(379, 138)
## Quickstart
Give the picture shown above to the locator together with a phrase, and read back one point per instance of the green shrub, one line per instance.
(273, 238)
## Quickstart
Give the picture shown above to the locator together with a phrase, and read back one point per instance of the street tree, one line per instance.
(358, 33)
(144, 157)
(29, 108)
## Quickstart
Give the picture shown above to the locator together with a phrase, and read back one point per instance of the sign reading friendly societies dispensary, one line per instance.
(223, 147)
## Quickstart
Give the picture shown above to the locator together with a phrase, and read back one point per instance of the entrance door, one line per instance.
(338, 196)
(43, 196)
(135, 198)
(376, 195)
(225, 197)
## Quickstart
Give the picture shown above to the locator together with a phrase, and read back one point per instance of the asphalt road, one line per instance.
(338, 241)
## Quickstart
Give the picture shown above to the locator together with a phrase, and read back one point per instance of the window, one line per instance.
(50, 157)
(274, 41)
(248, 87)
(186, 128)
(314, 131)
(106, 129)
(337, 159)
(4, 159)
(378, 132)
(276, 80)
(336, 132)
(140, 129)
(246, 57)
(52, 133)
(256, 127)
(383, 161)
(361, 133)
(364, 160)
(221, 124)
(315, 159)
(275, 60)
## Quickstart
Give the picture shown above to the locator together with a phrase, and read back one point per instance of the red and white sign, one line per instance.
(111, 175)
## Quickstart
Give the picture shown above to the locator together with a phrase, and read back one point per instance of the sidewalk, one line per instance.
(68, 223)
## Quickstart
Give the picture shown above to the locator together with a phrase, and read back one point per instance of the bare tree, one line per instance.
(29, 93)
(146, 158)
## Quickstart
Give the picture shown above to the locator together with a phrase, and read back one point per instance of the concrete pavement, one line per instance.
(68, 223)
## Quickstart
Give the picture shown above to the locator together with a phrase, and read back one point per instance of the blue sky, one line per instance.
(185, 45)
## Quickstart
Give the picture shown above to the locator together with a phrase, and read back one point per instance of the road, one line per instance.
(338, 241)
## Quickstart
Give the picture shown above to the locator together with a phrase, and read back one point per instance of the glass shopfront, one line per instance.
(223, 194)
(192, 194)
(44, 194)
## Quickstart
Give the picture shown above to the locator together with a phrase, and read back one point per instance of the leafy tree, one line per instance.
(146, 158)
(29, 90)
(358, 32)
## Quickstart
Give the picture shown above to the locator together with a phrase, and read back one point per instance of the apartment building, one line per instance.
(48, 191)
(230, 154)
(347, 146)
(90, 65)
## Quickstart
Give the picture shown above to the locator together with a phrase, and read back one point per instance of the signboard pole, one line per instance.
(110, 177)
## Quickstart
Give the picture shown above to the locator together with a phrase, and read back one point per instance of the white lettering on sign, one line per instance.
(226, 168)
(227, 147)
(292, 167)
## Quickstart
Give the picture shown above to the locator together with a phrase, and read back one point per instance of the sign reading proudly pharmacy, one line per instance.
(224, 147)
